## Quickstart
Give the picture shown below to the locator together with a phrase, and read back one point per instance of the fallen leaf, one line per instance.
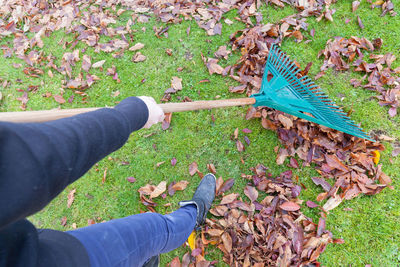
(137, 46)
(239, 146)
(64, 221)
(131, 179)
(293, 163)
(229, 198)
(173, 161)
(360, 23)
(311, 204)
(176, 83)
(175, 262)
(251, 193)
(286, 122)
(193, 168)
(226, 186)
(71, 197)
(377, 156)
(289, 206)
(192, 240)
(59, 99)
(138, 57)
(160, 188)
(332, 203)
(181, 185)
(167, 121)
(322, 182)
(355, 5)
(186, 260)
(98, 64)
(211, 168)
(227, 241)
(86, 63)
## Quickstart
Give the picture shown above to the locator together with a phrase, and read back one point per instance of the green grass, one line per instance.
(371, 230)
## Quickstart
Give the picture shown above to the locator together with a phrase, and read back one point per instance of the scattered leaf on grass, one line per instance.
(64, 221)
(173, 161)
(239, 146)
(332, 203)
(167, 121)
(86, 63)
(71, 197)
(131, 179)
(181, 185)
(59, 99)
(98, 64)
(360, 23)
(137, 46)
(311, 204)
(355, 5)
(176, 83)
(225, 186)
(138, 57)
(211, 168)
(193, 168)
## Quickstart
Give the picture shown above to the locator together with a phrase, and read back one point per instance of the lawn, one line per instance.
(370, 228)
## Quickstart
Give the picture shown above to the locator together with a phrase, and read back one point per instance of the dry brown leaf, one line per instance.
(227, 241)
(287, 122)
(332, 203)
(137, 46)
(211, 168)
(229, 198)
(59, 99)
(98, 64)
(181, 185)
(86, 63)
(176, 83)
(138, 57)
(251, 193)
(160, 188)
(193, 168)
(290, 206)
(71, 197)
(355, 5)
(175, 262)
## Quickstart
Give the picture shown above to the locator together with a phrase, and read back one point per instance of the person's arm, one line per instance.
(38, 160)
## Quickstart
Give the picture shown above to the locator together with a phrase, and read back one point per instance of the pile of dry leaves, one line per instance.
(341, 53)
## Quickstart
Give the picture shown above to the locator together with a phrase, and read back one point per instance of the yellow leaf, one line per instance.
(377, 156)
(192, 240)
(378, 3)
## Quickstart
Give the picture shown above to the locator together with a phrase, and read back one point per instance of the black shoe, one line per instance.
(152, 262)
(202, 198)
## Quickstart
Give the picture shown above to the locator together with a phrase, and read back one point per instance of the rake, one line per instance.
(281, 89)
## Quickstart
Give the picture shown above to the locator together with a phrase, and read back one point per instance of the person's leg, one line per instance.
(132, 240)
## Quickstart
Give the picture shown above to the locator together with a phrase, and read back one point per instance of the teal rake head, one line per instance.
(281, 89)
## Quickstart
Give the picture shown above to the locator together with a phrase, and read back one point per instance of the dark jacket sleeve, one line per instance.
(38, 160)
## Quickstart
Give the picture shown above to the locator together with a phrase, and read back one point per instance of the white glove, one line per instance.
(156, 114)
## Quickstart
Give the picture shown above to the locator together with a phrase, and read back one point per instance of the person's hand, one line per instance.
(156, 114)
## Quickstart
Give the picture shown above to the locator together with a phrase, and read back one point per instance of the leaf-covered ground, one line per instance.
(367, 224)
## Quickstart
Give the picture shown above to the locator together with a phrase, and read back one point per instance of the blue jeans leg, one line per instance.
(130, 241)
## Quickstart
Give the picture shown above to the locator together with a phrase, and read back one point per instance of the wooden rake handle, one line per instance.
(49, 115)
